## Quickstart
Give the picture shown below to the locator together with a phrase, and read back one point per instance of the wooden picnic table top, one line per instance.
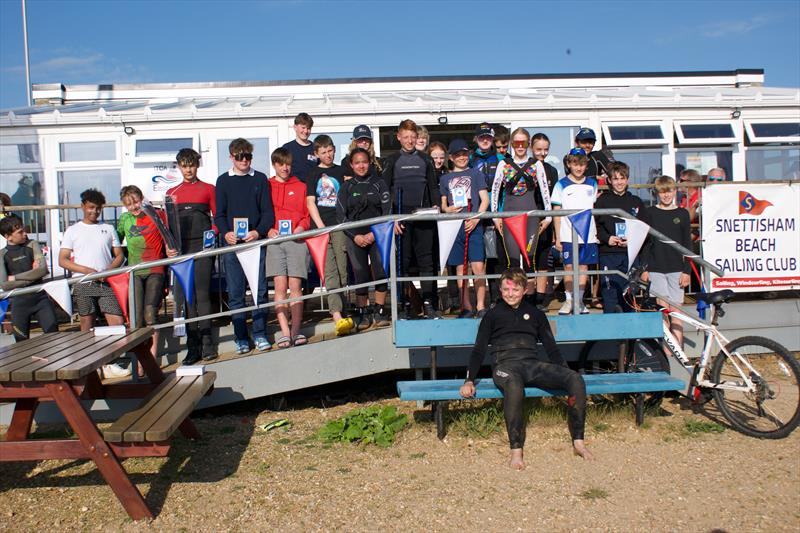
(65, 355)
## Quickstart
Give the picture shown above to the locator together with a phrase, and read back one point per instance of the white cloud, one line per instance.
(725, 28)
(81, 66)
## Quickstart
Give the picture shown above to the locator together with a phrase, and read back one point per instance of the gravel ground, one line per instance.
(660, 477)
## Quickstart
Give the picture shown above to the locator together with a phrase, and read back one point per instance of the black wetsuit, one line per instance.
(517, 362)
(17, 260)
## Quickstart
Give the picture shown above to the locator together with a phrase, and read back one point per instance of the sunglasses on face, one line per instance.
(244, 156)
(519, 144)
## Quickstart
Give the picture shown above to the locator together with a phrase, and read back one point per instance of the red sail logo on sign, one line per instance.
(750, 205)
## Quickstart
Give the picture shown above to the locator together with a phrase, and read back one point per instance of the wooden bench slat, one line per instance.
(160, 414)
(57, 355)
(447, 389)
(44, 354)
(12, 360)
(591, 327)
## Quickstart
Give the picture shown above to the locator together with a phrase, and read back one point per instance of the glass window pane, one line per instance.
(72, 183)
(707, 131)
(791, 129)
(342, 143)
(88, 151)
(26, 188)
(13, 155)
(703, 161)
(161, 147)
(635, 133)
(261, 156)
(562, 139)
(645, 168)
(776, 164)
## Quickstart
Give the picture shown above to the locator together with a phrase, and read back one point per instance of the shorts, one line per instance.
(476, 252)
(94, 297)
(667, 285)
(288, 258)
(587, 253)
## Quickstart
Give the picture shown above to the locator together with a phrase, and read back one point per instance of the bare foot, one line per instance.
(516, 459)
(580, 449)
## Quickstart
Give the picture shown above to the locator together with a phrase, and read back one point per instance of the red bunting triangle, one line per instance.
(318, 247)
(518, 227)
(119, 284)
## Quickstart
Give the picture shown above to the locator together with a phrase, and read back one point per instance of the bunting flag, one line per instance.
(518, 227)
(383, 233)
(59, 291)
(448, 231)
(635, 232)
(318, 248)
(119, 284)
(582, 222)
(184, 272)
(250, 260)
(3, 309)
(750, 205)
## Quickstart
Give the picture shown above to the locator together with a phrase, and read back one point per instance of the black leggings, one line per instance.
(361, 259)
(148, 291)
(24, 306)
(511, 377)
(201, 303)
(417, 242)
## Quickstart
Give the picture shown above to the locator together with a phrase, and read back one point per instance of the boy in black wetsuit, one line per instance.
(22, 264)
(513, 327)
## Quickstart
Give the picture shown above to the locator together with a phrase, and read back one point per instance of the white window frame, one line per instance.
(58, 140)
(155, 136)
(755, 139)
(22, 167)
(708, 141)
(611, 143)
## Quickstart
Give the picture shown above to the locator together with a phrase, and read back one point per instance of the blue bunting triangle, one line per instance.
(383, 238)
(3, 309)
(184, 273)
(582, 222)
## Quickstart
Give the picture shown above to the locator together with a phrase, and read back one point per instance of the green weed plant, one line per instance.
(368, 425)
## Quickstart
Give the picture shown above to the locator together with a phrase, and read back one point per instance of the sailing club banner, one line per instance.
(752, 232)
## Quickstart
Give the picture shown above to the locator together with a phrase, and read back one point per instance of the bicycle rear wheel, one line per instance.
(646, 355)
(772, 410)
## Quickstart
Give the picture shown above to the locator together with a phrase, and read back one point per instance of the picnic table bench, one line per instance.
(61, 367)
(581, 328)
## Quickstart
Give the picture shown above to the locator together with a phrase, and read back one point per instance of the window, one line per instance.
(22, 179)
(72, 152)
(562, 139)
(72, 183)
(261, 155)
(705, 133)
(645, 167)
(642, 134)
(704, 160)
(772, 132)
(162, 149)
(773, 163)
(14, 155)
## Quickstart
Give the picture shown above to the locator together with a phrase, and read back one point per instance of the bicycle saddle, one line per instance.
(716, 297)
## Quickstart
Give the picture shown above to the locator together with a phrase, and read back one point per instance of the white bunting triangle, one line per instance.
(448, 230)
(636, 233)
(59, 291)
(249, 259)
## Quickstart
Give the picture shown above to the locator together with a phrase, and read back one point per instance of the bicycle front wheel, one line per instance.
(772, 409)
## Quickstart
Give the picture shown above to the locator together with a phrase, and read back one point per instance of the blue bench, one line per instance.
(440, 391)
(582, 328)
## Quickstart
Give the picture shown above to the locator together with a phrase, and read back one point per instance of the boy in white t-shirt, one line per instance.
(89, 247)
(575, 191)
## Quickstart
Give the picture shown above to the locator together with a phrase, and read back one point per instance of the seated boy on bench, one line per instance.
(513, 327)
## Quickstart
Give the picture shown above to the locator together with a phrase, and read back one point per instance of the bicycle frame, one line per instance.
(697, 371)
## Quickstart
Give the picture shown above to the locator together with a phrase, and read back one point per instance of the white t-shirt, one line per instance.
(91, 244)
(571, 195)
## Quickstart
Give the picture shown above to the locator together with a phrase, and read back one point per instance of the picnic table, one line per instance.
(62, 367)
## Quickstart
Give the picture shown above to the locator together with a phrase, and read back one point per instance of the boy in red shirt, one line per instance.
(287, 261)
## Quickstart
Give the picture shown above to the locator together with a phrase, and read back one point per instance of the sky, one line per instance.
(150, 41)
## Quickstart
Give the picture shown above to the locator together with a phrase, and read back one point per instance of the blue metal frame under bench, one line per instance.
(442, 390)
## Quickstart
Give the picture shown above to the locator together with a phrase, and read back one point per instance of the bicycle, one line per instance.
(754, 381)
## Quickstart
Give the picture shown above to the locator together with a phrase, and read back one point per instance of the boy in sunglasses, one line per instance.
(243, 194)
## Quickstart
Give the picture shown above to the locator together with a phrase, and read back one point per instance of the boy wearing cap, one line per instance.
(575, 191)
(302, 150)
(243, 193)
(323, 185)
(485, 159)
(464, 189)
(599, 160)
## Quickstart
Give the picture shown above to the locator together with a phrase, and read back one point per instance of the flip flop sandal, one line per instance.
(300, 340)
(284, 342)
